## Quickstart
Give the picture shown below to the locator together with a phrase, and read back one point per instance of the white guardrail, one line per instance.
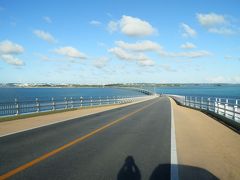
(27, 107)
(229, 108)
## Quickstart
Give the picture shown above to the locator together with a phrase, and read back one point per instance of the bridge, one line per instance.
(150, 139)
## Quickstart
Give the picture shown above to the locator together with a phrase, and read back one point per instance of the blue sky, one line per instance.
(99, 42)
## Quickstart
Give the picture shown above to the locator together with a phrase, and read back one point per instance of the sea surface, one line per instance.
(28, 94)
(222, 91)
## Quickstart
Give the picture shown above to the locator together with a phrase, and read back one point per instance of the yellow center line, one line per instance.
(55, 151)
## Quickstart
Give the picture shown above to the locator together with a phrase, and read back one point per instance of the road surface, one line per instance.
(132, 142)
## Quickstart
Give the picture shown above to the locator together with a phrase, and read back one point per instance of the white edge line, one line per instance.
(174, 161)
(56, 122)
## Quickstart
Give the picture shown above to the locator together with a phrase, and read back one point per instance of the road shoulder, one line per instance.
(206, 144)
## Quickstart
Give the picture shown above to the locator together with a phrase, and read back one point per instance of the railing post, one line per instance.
(201, 103)
(66, 103)
(235, 107)
(219, 100)
(91, 101)
(71, 101)
(37, 105)
(100, 101)
(225, 108)
(113, 99)
(195, 102)
(17, 106)
(81, 101)
(215, 106)
(208, 104)
(53, 104)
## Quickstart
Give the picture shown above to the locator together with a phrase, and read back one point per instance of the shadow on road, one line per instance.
(130, 171)
(162, 171)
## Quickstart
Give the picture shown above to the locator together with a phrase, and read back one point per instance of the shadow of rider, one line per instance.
(129, 170)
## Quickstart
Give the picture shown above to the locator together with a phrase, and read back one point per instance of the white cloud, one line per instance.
(222, 31)
(44, 36)
(101, 62)
(134, 51)
(112, 26)
(139, 46)
(188, 45)
(8, 50)
(47, 19)
(211, 19)
(8, 47)
(133, 26)
(95, 23)
(146, 62)
(10, 59)
(141, 58)
(188, 31)
(217, 23)
(192, 54)
(122, 54)
(70, 52)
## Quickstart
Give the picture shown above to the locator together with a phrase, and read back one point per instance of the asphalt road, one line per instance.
(134, 145)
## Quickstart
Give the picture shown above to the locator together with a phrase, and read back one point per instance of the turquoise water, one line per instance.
(223, 91)
(9, 94)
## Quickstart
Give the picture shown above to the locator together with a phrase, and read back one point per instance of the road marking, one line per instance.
(174, 162)
(56, 122)
(55, 151)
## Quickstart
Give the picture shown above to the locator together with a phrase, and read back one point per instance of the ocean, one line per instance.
(28, 94)
(222, 91)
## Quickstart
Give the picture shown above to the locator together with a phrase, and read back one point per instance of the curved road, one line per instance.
(132, 142)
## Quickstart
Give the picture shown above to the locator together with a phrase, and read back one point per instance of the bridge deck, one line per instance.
(132, 142)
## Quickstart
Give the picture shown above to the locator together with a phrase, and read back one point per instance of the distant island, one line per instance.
(54, 85)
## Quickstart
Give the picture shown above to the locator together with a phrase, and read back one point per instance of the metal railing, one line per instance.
(27, 107)
(229, 108)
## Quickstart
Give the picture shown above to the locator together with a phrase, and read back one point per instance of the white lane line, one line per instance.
(174, 162)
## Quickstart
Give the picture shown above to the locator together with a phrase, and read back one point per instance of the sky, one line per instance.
(120, 41)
